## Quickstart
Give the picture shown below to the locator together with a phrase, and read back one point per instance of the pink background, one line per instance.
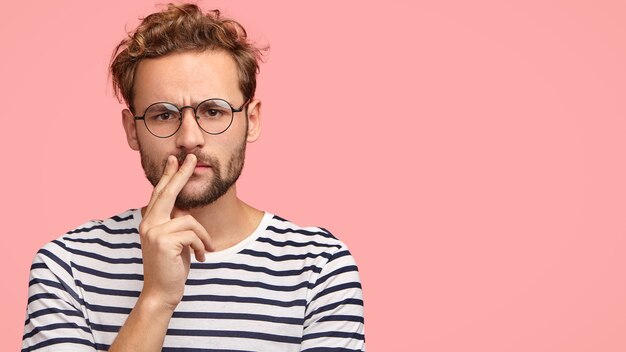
(471, 153)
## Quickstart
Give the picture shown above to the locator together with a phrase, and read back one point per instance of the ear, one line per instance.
(254, 120)
(128, 120)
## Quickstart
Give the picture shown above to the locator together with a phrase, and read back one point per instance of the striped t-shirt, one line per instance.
(283, 288)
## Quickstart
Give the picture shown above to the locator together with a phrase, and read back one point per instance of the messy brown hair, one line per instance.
(179, 28)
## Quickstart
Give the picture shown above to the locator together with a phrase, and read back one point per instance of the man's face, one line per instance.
(186, 79)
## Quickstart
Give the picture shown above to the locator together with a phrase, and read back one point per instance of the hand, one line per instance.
(166, 242)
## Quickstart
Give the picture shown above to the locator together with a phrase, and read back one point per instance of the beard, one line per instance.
(211, 191)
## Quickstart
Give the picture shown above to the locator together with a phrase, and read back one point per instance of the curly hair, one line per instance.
(179, 28)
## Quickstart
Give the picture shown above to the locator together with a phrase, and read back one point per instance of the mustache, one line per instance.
(201, 157)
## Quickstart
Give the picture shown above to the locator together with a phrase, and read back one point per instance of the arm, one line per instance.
(55, 316)
(165, 244)
(334, 313)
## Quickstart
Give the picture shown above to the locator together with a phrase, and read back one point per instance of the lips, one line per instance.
(198, 164)
(202, 165)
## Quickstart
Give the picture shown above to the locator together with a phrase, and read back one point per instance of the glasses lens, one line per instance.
(214, 115)
(162, 119)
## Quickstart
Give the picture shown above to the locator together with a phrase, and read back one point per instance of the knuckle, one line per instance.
(167, 192)
(156, 192)
(143, 228)
(161, 241)
(150, 233)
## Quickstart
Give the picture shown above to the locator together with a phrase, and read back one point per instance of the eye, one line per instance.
(212, 111)
(162, 112)
(162, 117)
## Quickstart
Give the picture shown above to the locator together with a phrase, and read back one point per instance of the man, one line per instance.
(196, 269)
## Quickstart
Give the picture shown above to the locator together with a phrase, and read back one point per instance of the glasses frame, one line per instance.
(180, 111)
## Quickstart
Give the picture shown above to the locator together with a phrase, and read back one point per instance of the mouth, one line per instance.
(198, 164)
(201, 168)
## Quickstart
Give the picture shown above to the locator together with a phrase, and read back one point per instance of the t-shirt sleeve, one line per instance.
(55, 314)
(334, 312)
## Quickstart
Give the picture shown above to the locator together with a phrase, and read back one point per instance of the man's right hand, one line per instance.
(167, 235)
(166, 242)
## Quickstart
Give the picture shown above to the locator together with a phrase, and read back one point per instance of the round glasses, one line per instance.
(214, 116)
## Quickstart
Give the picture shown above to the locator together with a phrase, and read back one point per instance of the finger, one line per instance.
(188, 239)
(164, 203)
(187, 223)
(171, 166)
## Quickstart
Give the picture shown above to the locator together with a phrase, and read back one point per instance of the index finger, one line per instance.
(170, 169)
(165, 200)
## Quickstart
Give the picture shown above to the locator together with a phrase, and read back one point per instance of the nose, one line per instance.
(189, 135)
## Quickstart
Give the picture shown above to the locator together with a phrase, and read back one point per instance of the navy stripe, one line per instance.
(239, 316)
(285, 257)
(354, 318)
(105, 328)
(279, 218)
(71, 313)
(210, 333)
(55, 284)
(191, 298)
(36, 330)
(296, 244)
(340, 334)
(102, 347)
(328, 232)
(353, 301)
(237, 299)
(112, 276)
(237, 334)
(338, 255)
(242, 283)
(59, 243)
(105, 259)
(190, 349)
(38, 266)
(206, 315)
(300, 231)
(334, 274)
(107, 291)
(120, 219)
(330, 349)
(105, 229)
(50, 342)
(256, 269)
(56, 259)
(42, 296)
(341, 287)
(107, 309)
(133, 245)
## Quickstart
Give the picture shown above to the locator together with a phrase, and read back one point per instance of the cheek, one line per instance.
(153, 149)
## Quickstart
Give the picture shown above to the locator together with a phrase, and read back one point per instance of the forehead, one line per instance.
(186, 78)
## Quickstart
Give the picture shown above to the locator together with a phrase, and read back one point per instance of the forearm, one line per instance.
(145, 327)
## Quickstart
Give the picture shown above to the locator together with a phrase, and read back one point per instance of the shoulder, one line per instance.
(93, 236)
(293, 234)
(317, 245)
